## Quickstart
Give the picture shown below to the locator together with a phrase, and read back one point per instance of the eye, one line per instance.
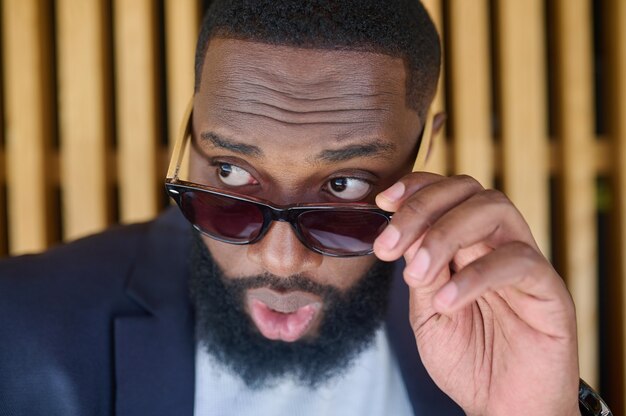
(234, 175)
(350, 189)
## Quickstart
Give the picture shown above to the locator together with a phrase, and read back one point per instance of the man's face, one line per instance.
(295, 125)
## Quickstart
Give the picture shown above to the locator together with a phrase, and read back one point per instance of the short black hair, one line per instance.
(398, 28)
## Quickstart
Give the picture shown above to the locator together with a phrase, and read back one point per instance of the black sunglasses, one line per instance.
(339, 230)
(332, 229)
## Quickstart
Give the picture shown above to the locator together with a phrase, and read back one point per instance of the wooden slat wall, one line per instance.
(137, 102)
(182, 18)
(512, 68)
(575, 131)
(28, 127)
(84, 114)
(615, 23)
(3, 214)
(523, 109)
(438, 159)
(470, 89)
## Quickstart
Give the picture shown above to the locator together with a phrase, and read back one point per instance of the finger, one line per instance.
(421, 299)
(520, 274)
(422, 294)
(393, 197)
(487, 217)
(419, 211)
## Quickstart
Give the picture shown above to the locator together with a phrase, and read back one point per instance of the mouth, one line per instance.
(283, 316)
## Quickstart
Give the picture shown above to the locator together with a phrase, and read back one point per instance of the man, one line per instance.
(282, 298)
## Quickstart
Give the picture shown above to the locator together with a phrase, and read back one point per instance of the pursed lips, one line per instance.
(283, 316)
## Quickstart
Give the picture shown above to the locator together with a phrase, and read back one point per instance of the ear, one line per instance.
(439, 120)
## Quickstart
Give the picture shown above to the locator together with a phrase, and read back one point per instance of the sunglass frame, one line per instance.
(271, 212)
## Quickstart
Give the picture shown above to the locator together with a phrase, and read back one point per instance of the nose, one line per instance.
(280, 252)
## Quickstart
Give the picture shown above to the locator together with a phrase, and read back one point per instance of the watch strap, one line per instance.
(590, 402)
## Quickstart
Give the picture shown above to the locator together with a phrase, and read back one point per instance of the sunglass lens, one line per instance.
(342, 232)
(222, 217)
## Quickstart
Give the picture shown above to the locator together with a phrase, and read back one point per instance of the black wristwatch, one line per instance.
(590, 402)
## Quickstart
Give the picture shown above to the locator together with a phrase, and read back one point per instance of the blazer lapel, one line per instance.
(425, 396)
(154, 351)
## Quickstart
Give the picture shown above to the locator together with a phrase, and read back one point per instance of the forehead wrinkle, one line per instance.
(312, 65)
(295, 76)
(318, 111)
(322, 121)
(303, 99)
(318, 94)
(293, 111)
(332, 85)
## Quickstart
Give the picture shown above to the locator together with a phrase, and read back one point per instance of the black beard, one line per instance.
(349, 322)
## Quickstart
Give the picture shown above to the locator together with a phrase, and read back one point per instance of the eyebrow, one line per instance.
(373, 149)
(232, 145)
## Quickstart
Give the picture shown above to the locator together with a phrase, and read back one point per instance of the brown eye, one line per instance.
(350, 189)
(234, 175)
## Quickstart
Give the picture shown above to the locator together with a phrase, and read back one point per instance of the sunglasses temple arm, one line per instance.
(424, 147)
(179, 146)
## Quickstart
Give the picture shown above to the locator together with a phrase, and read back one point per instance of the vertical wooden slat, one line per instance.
(4, 249)
(136, 103)
(470, 82)
(84, 122)
(615, 13)
(576, 134)
(3, 225)
(437, 161)
(521, 39)
(181, 24)
(27, 88)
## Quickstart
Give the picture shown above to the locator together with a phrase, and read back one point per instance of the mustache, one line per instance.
(296, 282)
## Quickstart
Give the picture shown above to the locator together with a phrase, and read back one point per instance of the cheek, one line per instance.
(230, 258)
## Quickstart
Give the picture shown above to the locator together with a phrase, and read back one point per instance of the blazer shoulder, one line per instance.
(112, 246)
(94, 264)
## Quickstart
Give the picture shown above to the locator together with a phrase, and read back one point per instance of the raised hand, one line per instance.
(494, 323)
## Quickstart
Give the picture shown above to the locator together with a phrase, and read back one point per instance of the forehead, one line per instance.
(366, 73)
(283, 98)
(301, 77)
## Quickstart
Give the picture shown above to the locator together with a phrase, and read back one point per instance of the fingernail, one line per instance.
(395, 192)
(389, 237)
(419, 266)
(447, 295)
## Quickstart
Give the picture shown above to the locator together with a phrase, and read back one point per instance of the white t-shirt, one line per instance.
(371, 386)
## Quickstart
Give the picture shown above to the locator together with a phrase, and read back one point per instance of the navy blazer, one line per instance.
(104, 326)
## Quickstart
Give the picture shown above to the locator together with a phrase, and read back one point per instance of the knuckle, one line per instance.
(495, 196)
(420, 177)
(524, 250)
(435, 239)
(532, 260)
(468, 181)
(495, 203)
(416, 207)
